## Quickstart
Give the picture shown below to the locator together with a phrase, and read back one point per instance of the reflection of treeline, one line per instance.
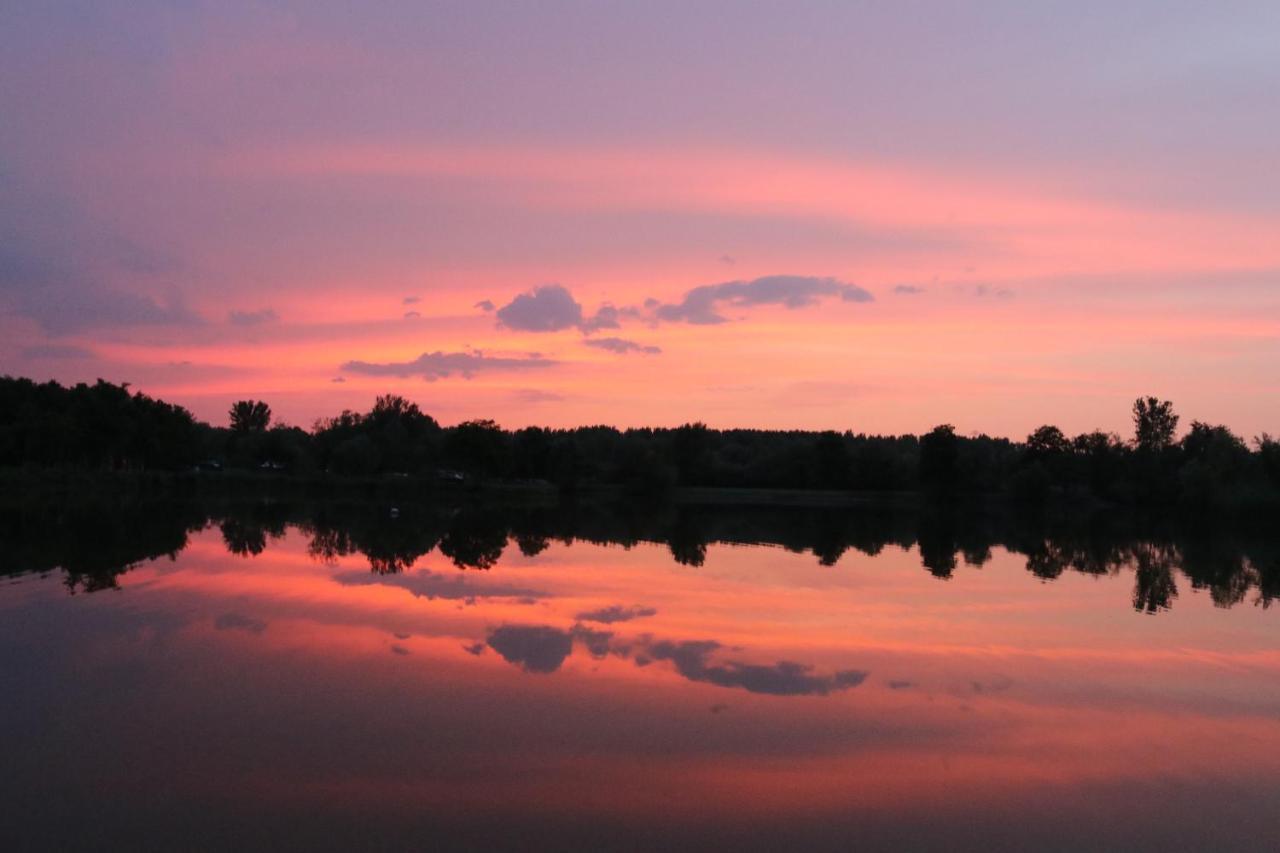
(93, 544)
(94, 547)
(105, 427)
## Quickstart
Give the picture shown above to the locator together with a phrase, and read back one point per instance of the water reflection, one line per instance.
(324, 676)
(92, 546)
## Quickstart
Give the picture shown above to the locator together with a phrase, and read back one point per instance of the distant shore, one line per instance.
(44, 486)
(62, 442)
(68, 483)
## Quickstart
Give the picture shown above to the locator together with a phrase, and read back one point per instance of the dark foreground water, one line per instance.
(302, 677)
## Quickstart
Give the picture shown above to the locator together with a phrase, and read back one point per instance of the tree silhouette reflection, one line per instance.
(94, 545)
(1154, 587)
(243, 538)
(475, 539)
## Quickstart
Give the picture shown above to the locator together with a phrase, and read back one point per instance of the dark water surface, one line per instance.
(351, 677)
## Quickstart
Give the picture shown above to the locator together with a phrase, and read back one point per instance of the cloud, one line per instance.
(62, 308)
(436, 365)
(239, 622)
(485, 305)
(621, 346)
(411, 300)
(70, 273)
(597, 643)
(615, 613)
(606, 317)
(252, 318)
(426, 584)
(701, 306)
(784, 678)
(57, 351)
(907, 289)
(550, 308)
(533, 648)
(901, 684)
(541, 648)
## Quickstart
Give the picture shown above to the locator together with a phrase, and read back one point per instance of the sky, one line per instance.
(822, 215)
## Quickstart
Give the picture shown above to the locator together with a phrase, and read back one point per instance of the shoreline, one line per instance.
(36, 486)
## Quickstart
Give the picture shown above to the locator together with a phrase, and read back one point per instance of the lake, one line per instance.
(338, 676)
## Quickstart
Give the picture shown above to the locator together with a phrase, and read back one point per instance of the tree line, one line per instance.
(104, 426)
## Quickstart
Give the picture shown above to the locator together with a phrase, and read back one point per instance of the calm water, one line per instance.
(640, 678)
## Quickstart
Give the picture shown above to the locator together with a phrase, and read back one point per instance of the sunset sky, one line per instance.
(866, 216)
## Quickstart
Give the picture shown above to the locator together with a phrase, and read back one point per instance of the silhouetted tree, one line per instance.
(1047, 458)
(832, 461)
(1215, 463)
(101, 426)
(639, 468)
(250, 416)
(531, 453)
(690, 444)
(1047, 442)
(1154, 424)
(939, 451)
(479, 446)
(1102, 455)
(403, 434)
(1269, 456)
(356, 456)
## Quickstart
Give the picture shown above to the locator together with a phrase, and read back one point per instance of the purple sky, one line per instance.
(853, 215)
